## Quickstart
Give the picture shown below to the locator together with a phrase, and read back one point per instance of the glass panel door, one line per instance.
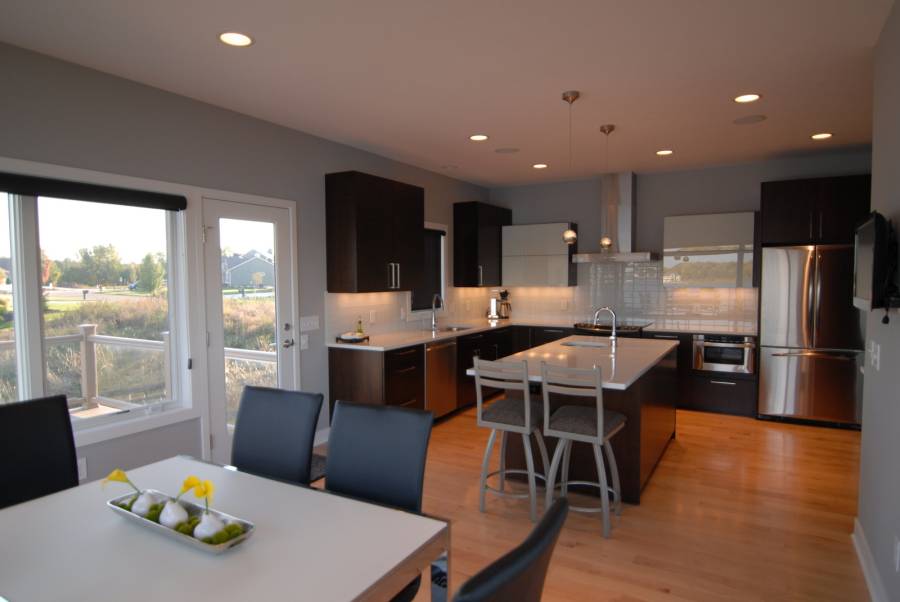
(250, 308)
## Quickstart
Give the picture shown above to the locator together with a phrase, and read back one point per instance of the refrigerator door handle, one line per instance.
(811, 278)
(817, 315)
(830, 356)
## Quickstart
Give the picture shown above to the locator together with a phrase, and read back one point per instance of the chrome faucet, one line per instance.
(436, 297)
(612, 337)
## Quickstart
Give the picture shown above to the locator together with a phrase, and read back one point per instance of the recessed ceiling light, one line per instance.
(821, 136)
(745, 98)
(478, 137)
(540, 166)
(233, 38)
(664, 152)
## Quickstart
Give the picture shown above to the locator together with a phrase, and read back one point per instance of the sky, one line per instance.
(67, 226)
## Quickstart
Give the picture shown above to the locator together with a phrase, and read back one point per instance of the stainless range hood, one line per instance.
(617, 207)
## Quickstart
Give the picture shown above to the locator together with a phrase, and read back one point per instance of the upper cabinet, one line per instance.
(375, 233)
(477, 243)
(537, 255)
(711, 250)
(814, 211)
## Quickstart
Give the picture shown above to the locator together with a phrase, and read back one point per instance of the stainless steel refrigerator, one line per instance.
(811, 336)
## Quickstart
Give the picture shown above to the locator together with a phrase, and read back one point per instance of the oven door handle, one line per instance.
(730, 345)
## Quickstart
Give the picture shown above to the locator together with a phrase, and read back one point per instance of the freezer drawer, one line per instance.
(811, 384)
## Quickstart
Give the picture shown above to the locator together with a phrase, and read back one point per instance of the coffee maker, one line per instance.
(504, 310)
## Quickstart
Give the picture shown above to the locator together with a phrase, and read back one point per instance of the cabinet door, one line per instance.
(842, 205)
(408, 234)
(540, 336)
(465, 244)
(787, 212)
(404, 377)
(374, 245)
(722, 394)
(521, 338)
(490, 243)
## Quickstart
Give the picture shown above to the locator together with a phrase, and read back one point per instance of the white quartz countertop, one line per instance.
(406, 338)
(619, 369)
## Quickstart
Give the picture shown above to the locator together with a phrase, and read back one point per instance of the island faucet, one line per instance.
(436, 297)
(612, 337)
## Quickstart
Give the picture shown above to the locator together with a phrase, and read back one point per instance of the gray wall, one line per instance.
(57, 112)
(709, 190)
(879, 488)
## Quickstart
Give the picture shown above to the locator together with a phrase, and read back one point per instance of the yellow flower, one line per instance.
(190, 483)
(117, 475)
(205, 490)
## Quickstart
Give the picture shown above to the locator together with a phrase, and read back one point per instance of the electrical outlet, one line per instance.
(304, 342)
(308, 323)
(373, 315)
(876, 358)
(896, 554)
(82, 469)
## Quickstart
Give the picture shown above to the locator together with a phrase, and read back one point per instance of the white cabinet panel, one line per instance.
(535, 239)
(536, 270)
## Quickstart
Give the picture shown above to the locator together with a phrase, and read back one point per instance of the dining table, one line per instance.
(307, 544)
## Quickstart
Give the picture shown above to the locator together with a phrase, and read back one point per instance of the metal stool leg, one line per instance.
(567, 456)
(604, 490)
(614, 472)
(503, 439)
(485, 465)
(551, 477)
(532, 487)
(542, 448)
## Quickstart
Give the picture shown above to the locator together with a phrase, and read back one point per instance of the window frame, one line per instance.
(414, 315)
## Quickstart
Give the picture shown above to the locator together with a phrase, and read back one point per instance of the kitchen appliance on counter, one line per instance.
(440, 377)
(733, 354)
(504, 309)
(811, 336)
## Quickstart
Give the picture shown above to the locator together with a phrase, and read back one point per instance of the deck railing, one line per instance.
(88, 339)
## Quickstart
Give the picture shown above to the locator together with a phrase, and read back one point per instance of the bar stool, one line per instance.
(515, 413)
(593, 425)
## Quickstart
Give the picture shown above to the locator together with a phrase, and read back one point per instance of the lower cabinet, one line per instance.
(521, 338)
(395, 377)
(489, 345)
(720, 393)
(541, 335)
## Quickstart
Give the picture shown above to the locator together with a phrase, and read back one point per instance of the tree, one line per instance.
(257, 279)
(101, 265)
(50, 271)
(151, 274)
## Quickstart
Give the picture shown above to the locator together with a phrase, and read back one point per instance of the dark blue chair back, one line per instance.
(377, 453)
(37, 450)
(519, 575)
(274, 433)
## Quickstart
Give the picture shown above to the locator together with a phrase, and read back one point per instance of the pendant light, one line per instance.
(570, 96)
(606, 129)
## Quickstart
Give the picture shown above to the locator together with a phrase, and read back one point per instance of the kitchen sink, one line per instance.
(584, 344)
(453, 328)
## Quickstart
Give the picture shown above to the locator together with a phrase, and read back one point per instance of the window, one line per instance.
(94, 298)
(433, 274)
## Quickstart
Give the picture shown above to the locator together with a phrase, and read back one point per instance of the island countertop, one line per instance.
(619, 369)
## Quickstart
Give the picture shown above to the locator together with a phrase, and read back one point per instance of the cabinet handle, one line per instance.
(821, 219)
(473, 337)
(398, 275)
(407, 352)
(404, 370)
(556, 330)
(664, 336)
(723, 382)
(810, 226)
(480, 276)
(390, 267)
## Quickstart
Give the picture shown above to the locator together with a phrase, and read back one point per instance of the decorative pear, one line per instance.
(141, 505)
(208, 526)
(173, 514)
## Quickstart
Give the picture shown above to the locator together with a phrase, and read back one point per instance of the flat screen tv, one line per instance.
(875, 256)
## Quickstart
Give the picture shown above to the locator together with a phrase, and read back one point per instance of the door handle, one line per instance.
(390, 275)
(723, 382)
(287, 343)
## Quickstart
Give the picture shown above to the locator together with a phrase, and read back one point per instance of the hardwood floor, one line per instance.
(738, 509)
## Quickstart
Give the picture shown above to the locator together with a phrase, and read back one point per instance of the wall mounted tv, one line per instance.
(875, 263)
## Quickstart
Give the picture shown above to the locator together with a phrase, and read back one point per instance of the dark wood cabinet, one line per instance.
(520, 337)
(477, 243)
(720, 393)
(375, 233)
(684, 358)
(394, 377)
(541, 335)
(814, 211)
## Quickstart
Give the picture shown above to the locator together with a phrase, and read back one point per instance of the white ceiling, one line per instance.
(411, 79)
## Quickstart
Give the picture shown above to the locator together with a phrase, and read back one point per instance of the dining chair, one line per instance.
(274, 433)
(518, 575)
(592, 424)
(37, 450)
(377, 453)
(514, 413)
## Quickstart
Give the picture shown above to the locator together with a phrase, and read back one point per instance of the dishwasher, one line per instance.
(440, 377)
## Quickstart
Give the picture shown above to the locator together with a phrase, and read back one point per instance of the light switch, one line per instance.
(373, 316)
(304, 342)
(308, 323)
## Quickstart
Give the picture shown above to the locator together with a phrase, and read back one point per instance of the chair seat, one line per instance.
(511, 410)
(582, 420)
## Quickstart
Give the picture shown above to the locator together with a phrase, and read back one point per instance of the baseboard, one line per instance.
(322, 436)
(873, 580)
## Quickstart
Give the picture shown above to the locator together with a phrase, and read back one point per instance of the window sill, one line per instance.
(129, 425)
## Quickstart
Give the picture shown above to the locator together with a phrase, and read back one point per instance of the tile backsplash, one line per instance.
(633, 290)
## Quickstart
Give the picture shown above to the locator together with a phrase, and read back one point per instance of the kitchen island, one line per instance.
(639, 380)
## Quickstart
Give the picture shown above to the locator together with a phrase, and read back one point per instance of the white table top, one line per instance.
(308, 545)
(619, 370)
